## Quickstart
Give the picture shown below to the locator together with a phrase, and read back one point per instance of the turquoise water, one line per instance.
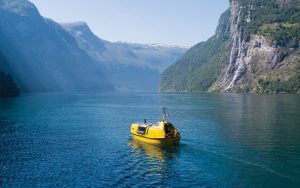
(81, 140)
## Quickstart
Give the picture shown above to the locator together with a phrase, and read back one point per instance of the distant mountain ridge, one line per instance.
(130, 66)
(157, 56)
(255, 49)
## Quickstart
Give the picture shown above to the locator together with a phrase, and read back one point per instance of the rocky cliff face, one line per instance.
(260, 55)
(252, 61)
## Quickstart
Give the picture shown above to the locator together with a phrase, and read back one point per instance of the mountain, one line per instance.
(157, 56)
(129, 66)
(8, 87)
(255, 49)
(43, 56)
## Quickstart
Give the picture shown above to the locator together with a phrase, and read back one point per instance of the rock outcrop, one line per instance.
(252, 61)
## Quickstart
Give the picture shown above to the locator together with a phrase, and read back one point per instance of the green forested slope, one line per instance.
(198, 69)
(200, 66)
(204, 65)
(279, 20)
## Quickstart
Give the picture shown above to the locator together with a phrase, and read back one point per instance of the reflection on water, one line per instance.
(155, 159)
(259, 121)
(153, 152)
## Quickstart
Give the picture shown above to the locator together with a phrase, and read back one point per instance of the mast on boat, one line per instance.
(164, 109)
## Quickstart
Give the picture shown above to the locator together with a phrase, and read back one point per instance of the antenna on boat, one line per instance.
(164, 109)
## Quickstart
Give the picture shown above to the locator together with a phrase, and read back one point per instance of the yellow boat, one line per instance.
(160, 133)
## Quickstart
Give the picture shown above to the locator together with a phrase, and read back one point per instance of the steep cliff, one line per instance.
(264, 55)
(262, 51)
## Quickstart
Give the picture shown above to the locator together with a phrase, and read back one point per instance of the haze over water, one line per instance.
(228, 140)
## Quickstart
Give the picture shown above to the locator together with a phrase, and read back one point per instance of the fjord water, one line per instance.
(73, 140)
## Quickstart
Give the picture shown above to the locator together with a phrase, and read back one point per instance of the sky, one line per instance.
(172, 22)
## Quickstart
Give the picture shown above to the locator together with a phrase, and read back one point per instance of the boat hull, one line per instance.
(157, 141)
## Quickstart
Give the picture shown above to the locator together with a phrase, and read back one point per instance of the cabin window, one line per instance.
(141, 130)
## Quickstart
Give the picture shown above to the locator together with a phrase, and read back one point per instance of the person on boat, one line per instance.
(169, 131)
